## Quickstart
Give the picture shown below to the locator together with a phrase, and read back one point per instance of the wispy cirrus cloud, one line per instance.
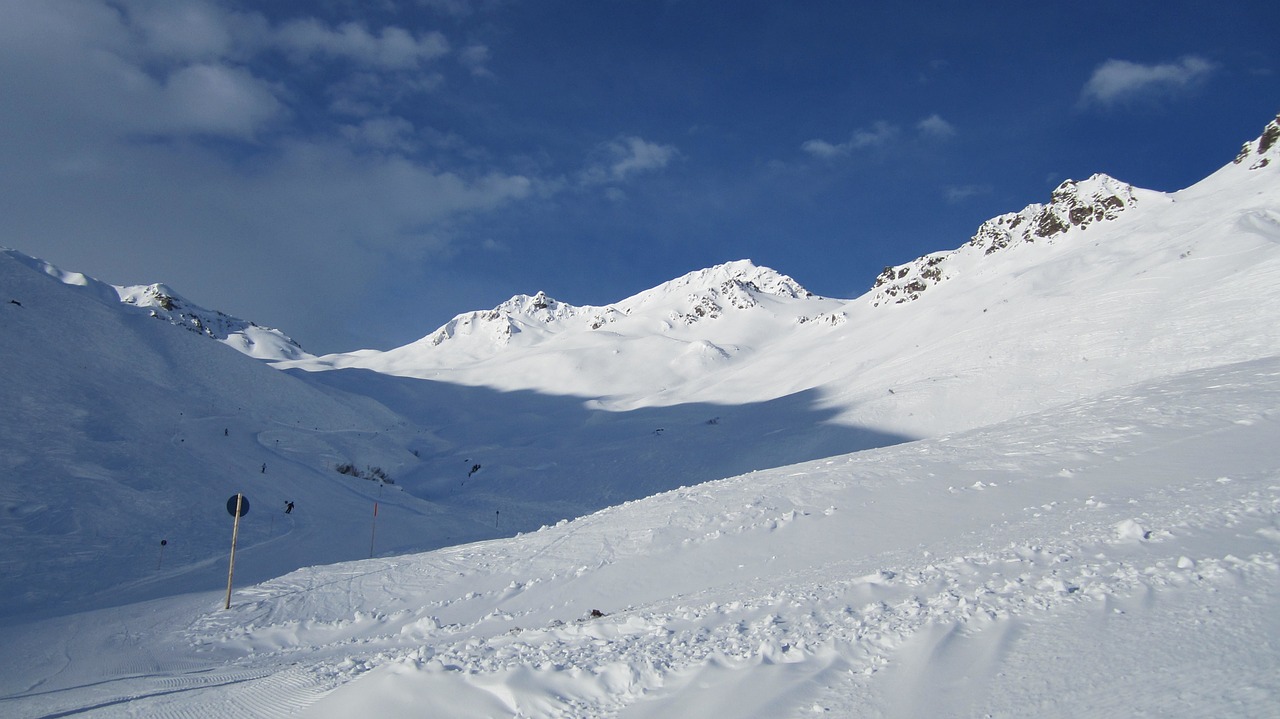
(935, 127)
(879, 135)
(389, 47)
(620, 159)
(955, 194)
(1116, 82)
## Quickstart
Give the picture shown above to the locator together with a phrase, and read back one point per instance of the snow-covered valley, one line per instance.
(1116, 555)
(1038, 474)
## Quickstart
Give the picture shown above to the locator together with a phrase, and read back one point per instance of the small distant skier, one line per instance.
(288, 507)
(264, 467)
(474, 468)
(224, 432)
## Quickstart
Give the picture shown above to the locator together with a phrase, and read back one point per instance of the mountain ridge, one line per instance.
(561, 423)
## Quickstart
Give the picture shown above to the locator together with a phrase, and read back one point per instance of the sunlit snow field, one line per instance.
(1049, 485)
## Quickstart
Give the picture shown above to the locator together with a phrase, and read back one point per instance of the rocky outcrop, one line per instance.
(1072, 206)
(164, 304)
(1262, 151)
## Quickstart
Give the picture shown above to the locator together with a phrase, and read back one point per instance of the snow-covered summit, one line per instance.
(1073, 206)
(161, 302)
(681, 329)
(709, 293)
(247, 337)
(1103, 285)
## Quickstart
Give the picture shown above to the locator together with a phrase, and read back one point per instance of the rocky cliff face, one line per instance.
(1261, 152)
(1073, 205)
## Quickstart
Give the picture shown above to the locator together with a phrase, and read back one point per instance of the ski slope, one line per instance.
(1118, 555)
(1041, 479)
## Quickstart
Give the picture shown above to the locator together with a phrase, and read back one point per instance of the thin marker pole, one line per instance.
(374, 532)
(235, 533)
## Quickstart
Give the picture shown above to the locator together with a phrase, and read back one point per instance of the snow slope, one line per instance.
(1091, 496)
(243, 335)
(120, 431)
(1104, 286)
(1114, 556)
(163, 303)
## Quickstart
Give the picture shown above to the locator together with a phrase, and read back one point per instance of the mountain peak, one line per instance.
(245, 336)
(163, 303)
(741, 274)
(1073, 205)
(1262, 150)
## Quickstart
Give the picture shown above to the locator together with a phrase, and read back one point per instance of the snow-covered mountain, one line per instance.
(1103, 286)
(1090, 385)
(640, 347)
(119, 432)
(1115, 556)
(163, 303)
(1073, 205)
(247, 337)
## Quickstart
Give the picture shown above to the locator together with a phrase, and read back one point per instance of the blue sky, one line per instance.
(356, 173)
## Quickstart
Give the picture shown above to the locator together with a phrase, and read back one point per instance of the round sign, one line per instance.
(244, 505)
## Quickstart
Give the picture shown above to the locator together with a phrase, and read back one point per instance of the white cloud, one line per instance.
(824, 149)
(636, 155)
(1118, 81)
(184, 29)
(216, 99)
(385, 133)
(626, 156)
(959, 193)
(475, 58)
(392, 47)
(100, 172)
(936, 127)
(879, 134)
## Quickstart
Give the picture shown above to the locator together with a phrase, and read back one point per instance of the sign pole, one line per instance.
(374, 532)
(235, 532)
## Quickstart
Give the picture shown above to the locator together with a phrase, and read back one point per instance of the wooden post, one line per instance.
(235, 532)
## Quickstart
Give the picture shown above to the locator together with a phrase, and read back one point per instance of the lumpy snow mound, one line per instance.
(1115, 556)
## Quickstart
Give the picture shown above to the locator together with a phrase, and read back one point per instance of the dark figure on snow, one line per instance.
(474, 468)
(288, 507)
(264, 467)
